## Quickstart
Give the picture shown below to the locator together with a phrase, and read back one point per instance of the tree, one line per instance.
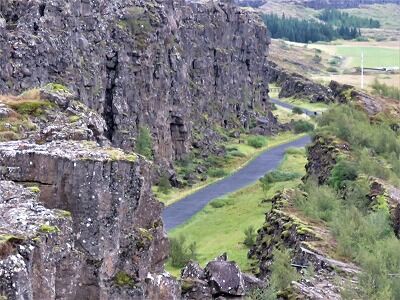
(144, 143)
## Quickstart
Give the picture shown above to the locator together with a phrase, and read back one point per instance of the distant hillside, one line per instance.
(319, 4)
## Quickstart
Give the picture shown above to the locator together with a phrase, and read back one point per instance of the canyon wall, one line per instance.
(92, 73)
(172, 66)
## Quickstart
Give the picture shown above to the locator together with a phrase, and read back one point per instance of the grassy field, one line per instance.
(218, 230)
(233, 165)
(373, 56)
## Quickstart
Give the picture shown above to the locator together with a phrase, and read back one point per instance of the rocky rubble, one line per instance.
(220, 278)
(115, 220)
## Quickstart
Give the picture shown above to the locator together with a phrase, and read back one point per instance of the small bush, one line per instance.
(385, 90)
(221, 202)
(273, 106)
(237, 153)
(317, 59)
(282, 273)
(164, 186)
(257, 141)
(295, 151)
(302, 126)
(180, 253)
(321, 202)
(250, 236)
(297, 110)
(144, 143)
(343, 172)
(276, 176)
(217, 172)
(332, 70)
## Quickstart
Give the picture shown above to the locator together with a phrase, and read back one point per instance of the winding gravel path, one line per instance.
(181, 211)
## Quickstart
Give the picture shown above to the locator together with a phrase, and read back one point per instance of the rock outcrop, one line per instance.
(116, 222)
(383, 194)
(172, 66)
(298, 86)
(220, 278)
(310, 245)
(38, 257)
(322, 156)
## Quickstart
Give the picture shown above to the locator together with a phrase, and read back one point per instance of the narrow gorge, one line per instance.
(80, 79)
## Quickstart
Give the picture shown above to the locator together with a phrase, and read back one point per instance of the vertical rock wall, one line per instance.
(169, 65)
(117, 228)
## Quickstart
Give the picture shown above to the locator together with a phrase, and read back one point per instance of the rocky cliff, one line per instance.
(78, 217)
(172, 66)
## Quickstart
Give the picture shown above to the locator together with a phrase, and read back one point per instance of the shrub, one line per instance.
(250, 236)
(273, 106)
(276, 176)
(237, 153)
(295, 151)
(321, 202)
(221, 202)
(164, 186)
(301, 126)
(257, 141)
(354, 126)
(217, 172)
(317, 59)
(332, 70)
(180, 253)
(144, 143)
(385, 90)
(342, 172)
(282, 273)
(297, 110)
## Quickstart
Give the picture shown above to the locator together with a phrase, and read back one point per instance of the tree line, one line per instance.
(305, 31)
(338, 19)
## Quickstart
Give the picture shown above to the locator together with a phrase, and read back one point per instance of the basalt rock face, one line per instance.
(115, 228)
(298, 86)
(38, 257)
(172, 66)
(322, 156)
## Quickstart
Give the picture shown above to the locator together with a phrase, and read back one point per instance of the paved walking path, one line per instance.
(181, 211)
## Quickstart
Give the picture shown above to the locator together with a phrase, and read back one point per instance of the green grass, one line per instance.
(318, 106)
(235, 163)
(220, 226)
(373, 56)
(285, 115)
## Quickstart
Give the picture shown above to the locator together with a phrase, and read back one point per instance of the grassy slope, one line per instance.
(218, 230)
(250, 153)
(387, 14)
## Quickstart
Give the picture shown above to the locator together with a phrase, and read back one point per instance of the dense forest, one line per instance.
(338, 19)
(304, 31)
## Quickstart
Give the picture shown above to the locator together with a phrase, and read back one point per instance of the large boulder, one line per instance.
(220, 278)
